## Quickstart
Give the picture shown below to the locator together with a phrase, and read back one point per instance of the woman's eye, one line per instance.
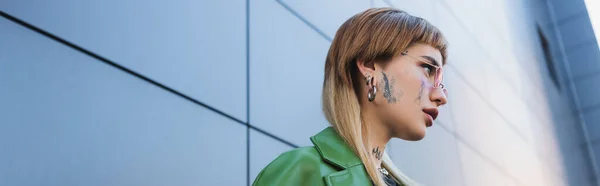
(428, 69)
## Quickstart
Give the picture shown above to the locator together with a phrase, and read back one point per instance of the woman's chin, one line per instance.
(418, 137)
(414, 135)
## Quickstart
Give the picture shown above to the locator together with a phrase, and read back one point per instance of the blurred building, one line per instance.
(113, 92)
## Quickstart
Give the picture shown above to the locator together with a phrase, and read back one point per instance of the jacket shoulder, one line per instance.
(301, 166)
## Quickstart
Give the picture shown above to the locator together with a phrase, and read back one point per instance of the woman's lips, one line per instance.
(428, 120)
(432, 114)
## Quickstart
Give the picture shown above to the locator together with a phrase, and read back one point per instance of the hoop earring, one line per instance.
(372, 91)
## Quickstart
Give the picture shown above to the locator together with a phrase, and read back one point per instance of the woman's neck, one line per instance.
(378, 136)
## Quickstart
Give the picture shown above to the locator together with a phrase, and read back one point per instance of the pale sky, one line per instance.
(593, 8)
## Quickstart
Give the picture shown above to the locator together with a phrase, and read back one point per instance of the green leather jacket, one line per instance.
(329, 162)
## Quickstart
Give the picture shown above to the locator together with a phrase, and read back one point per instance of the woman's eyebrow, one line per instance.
(432, 60)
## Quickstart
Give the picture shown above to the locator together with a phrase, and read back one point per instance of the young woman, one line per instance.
(383, 80)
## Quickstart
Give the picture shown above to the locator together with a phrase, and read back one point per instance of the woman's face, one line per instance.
(406, 101)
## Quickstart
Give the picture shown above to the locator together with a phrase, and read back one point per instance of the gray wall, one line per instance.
(574, 49)
(209, 92)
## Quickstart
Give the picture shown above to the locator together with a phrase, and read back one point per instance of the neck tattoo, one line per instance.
(377, 153)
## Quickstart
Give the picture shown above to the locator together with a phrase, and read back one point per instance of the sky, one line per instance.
(593, 8)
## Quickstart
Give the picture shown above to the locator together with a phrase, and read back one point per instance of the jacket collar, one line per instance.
(334, 150)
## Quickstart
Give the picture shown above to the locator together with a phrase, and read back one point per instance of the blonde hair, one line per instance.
(377, 34)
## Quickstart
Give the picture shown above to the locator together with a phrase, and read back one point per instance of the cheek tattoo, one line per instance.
(420, 92)
(388, 88)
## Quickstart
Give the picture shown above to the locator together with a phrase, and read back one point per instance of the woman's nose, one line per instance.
(439, 96)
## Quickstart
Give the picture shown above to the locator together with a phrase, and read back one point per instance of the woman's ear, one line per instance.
(366, 68)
